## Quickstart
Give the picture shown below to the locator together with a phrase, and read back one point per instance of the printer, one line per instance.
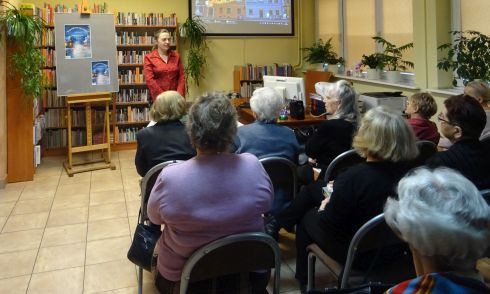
(393, 100)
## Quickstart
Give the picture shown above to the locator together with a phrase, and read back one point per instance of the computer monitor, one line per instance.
(290, 88)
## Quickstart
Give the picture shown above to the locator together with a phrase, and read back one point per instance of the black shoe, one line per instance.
(272, 227)
(302, 288)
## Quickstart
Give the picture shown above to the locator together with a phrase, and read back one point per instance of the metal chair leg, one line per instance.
(311, 272)
(140, 280)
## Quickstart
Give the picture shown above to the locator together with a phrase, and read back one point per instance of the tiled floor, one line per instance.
(71, 235)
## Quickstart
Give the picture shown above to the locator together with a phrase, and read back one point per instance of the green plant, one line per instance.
(193, 30)
(392, 54)
(374, 61)
(469, 55)
(24, 31)
(321, 52)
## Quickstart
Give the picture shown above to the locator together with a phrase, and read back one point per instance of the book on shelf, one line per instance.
(124, 135)
(145, 19)
(256, 72)
(247, 89)
(131, 56)
(132, 95)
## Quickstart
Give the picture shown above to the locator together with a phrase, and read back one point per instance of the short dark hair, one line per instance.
(467, 113)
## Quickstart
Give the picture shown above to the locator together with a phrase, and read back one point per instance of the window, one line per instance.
(228, 10)
(250, 12)
(327, 22)
(359, 28)
(474, 16)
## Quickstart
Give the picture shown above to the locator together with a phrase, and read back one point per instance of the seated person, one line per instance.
(420, 108)
(446, 222)
(167, 139)
(264, 137)
(481, 92)
(387, 142)
(462, 121)
(214, 194)
(334, 135)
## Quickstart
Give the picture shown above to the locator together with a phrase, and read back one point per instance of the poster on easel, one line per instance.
(85, 53)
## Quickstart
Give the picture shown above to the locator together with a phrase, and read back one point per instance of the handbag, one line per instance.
(144, 240)
(303, 134)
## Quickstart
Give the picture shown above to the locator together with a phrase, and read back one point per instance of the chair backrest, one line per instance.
(147, 184)
(341, 162)
(486, 140)
(426, 150)
(239, 253)
(486, 195)
(376, 235)
(282, 173)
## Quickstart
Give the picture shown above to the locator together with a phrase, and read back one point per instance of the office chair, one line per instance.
(282, 173)
(239, 253)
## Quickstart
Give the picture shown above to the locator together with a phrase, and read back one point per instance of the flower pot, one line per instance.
(373, 74)
(333, 68)
(182, 31)
(393, 76)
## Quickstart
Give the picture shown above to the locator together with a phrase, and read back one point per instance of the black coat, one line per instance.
(162, 142)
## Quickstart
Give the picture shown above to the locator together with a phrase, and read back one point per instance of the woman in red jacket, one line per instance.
(163, 68)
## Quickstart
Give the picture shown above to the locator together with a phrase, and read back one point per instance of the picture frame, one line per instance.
(245, 17)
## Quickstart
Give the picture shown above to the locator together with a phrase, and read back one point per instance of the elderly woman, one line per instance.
(481, 92)
(334, 136)
(462, 121)
(446, 222)
(167, 139)
(210, 196)
(264, 137)
(359, 193)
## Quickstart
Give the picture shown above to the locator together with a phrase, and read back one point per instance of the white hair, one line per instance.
(266, 103)
(442, 215)
(343, 91)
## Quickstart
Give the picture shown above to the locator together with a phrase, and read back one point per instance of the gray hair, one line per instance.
(212, 123)
(344, 92)
(169, 105)
(442, 215)
(266, 103)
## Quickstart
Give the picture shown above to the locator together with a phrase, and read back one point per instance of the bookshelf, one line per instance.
(248, 77)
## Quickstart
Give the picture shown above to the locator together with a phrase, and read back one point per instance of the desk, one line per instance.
(245, 116)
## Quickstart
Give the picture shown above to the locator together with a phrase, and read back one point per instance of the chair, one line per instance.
(341, 162)
(239, 253)
(146, 185)
(282, 173)
(376, 239)
(486, 195)
(426, 150)
(486, 140)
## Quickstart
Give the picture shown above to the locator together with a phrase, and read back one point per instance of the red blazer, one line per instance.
(162, 76)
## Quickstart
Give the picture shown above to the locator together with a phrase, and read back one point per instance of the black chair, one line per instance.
(147, 183)
(391, 262)
(426, 150)
(341, 162)
(282, 173)
(239, 253)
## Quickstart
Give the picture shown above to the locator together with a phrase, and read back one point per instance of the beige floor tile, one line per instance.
(67, 217)
(127, 163)
(24, 222)
(132, 194)
(108, 229)
(23, 260)
(288, 282)
(48, 171)
(133, 207)
(44, 182)
(77, 178)
(9, 195)
(33, 195)
(130, 173)
(6, 208)
(109, 185)
(97, 174)
(107, 250)
(131, 184)
(109, 276)
(76, 201)
(61, 281)
(63, 235)
(127, 154)
(107, 211)
(3, 219)
(148, 288)
(32, 206)
(18, 241)
(60, 257)
(82, 188)
(15, 186)
(17, 285)
(105, 197)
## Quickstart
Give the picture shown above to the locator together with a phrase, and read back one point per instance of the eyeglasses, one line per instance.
(442, 119)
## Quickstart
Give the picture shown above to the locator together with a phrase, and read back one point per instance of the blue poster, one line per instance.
(100, 73)
(77, 42)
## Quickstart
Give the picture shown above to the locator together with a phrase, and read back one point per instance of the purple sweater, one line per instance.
(203, 199)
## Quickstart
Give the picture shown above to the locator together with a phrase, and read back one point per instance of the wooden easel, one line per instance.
(105, 161)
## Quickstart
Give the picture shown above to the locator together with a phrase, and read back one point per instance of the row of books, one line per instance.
(247, 88)
(47, 38)
(148, 19)
(131, 76)
(256, 72)
(46, 13)
(51, 99)
(132, 95)
(49, 57)
(135, 38)
(126, 134)
(131, 56)
(58, 138)
(56, 118)
(49, 77)
(133, 114)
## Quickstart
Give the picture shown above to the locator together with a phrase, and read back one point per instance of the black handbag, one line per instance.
(304, 134)
(144, 240)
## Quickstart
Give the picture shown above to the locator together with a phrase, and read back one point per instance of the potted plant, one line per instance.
(23, 32)
(322, 55)
(375, 62)
(392, 56)
(193, 31)
(469, 56)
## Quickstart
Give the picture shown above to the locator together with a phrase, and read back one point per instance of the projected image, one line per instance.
(77, 42)
(100, 73)
(254, 17)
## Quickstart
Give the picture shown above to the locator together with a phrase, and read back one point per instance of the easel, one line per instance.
(88, 99)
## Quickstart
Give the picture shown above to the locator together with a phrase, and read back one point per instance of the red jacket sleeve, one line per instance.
(181, 82)
(150, 78)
